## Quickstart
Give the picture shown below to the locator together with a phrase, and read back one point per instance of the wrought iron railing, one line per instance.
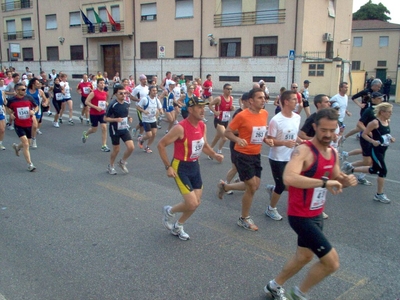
(19, 4)
(18, 35)
(105, 27)
(318, 55)
(270, 16)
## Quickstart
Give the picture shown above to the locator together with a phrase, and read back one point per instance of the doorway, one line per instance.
(111, 60)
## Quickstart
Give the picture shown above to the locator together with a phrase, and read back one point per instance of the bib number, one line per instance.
(123, 124)
(102, 105)
(197, 147)
(386, 140)
(86, 90)
(258, 134)
(226, 116)
(23, 113)
(59, 96)
(318, 198)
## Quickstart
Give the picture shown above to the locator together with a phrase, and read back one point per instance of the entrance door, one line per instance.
(111, 60)
(381, 74)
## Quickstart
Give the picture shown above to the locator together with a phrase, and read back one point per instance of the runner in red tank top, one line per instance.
(312, 171)
(221, 107)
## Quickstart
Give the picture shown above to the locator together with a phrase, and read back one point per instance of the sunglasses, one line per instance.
(23, 90)
(229, 89)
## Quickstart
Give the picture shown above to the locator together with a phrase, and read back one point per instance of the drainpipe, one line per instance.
(201, 38)
(87, 56)
(38, 34)
(134, 40)
(295, 39)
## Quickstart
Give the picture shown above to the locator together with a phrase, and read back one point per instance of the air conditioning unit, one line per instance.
(327, 37)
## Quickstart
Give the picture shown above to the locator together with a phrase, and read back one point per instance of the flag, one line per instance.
(116, 26)
(85, 19)
(98, 19)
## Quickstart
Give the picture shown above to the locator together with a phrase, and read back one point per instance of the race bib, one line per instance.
(386, 140)
(289, 134)
(46, 89)
(59, 96)
(226, 116)
(197, 147)
(152, 112)
(258, 134)
(23, 113)
(123, 124)
(210, 90)
(86, 90)
(318, 198)
(102, 104)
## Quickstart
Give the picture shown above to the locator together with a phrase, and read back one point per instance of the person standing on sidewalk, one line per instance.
(97, 103)
(189, 139)
(312, 171)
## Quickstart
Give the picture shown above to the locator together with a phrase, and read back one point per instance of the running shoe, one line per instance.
(31, 167)
(38, 131)
(87, 122)
(273, 214)
(111, 170)
(344, 155)
(167, 217)
(205, 120)
(292, 295)
(49, 113)
(34, 144)
(221, 189)
(270, 190)
(60, 120)
(358, 136)
(178, 231)
(247, 223)
(133, 132)
(325, 215)
(56, 125)
(362, 180)
(347, 168)
(71, 122)
(84, 137)
(81, 119)
(219, 151)
(148, 150)
(15, 147)
(123, 166)
(140, 140)
(209, 157)
(382, 198)
(10, 127)
(104, 148)
(279, 293)
(166, 131)
(2, 147)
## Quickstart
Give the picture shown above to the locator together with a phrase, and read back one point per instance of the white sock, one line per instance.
(273, 284)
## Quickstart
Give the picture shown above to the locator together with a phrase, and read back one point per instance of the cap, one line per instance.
(307, 81)
(245, 96)
(197, 101)
(169, 82)
(376, 95)
(261, 81)
(142, 77)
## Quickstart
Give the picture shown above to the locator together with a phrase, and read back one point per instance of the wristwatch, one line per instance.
(167, 167)
(324, 181)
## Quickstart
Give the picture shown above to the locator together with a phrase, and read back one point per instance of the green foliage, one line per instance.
(371, 11)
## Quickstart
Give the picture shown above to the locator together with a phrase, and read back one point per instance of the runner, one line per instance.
(84, 88)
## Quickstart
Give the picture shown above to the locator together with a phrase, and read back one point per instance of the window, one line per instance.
(11, 30)
(115, 13)
(148, 11)
(52, 53)
(103, 14)
(383, 41)
(331, 8)
(267, 11)
(231, 12)
(76, 52)
(51, 22)
(27, 54)
(74, 19)
(265, 78)
(148, 50)
(25, 3)
(90, 15)
(381, 63)
(183, 49)
(357, 41)
(27, 32)
(266, 46)
(9, 5)
(183, 8)
(329, 50)
(229, 78)
(356, 65)
(316, 69)
(230, 48)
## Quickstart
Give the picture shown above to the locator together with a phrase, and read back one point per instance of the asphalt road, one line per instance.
(69, 230)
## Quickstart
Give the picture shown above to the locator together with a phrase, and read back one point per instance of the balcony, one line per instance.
(271, 16)
(18, 35)
(317, 56)
(104, 29)
(14, 5)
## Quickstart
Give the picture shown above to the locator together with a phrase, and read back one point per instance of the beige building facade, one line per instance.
(237, 41)
(375, 51)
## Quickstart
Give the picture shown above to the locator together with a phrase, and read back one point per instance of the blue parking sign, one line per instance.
(291, 55)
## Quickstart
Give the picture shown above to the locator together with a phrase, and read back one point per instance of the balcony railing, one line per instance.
(318, 55)
(18, 35)
(103, 28)
(14, 5)
(271, 16)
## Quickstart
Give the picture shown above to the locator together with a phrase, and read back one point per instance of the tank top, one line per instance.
(57, 92)
(310, 202)
(190, 146)
(99, 99)
(225, 108)
(382, 134)
(37, 98)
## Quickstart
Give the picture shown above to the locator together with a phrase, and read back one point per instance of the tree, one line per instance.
(371, 11)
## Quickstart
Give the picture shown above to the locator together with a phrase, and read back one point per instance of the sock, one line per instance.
(273, 284)
(270, 207)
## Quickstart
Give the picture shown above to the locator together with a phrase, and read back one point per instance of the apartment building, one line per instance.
(375, 51)
(237, 41)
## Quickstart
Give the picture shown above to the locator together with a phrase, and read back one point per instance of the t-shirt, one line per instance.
(343, 102)
(283, 128)
(21, 108)
(150, 105)
(251, 127)
(118, 110)
(207, 88)
(10, 88)
(85, 88)
(99, 99)
(140, 91)
(67, 90)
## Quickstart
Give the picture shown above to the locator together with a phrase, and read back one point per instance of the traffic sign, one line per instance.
(161, 52)
(291, 55)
